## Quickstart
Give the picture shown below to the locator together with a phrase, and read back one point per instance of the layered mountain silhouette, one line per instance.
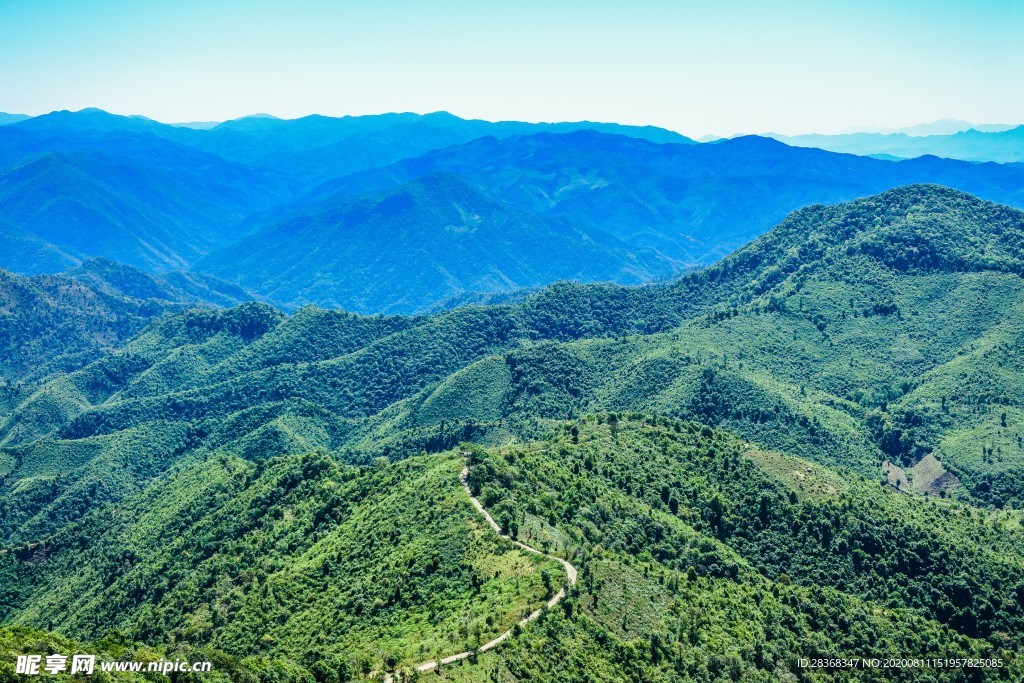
(681, 205)
(947, 126)
(633, 203)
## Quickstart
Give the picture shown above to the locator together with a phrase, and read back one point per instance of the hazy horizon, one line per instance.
(699, 68)
(857, 129)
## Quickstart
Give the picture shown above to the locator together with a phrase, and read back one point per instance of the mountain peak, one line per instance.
(90, 118)
(258, 116)
(914, 228)
(752, 142)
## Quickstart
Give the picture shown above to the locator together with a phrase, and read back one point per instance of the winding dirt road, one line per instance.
(570, 572)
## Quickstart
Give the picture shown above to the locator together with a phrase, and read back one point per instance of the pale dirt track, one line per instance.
(570, 572)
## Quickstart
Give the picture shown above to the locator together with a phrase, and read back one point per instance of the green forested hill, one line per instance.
(52, 323)
(295, 557)
(704, 558)
(886, 331)
(700, 555)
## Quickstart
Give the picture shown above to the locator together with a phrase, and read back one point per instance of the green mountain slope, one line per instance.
(51, 323)
(699, 553)
(696, 548)
(360, 564)
(881, 329)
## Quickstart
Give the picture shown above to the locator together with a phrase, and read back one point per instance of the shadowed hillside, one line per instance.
(423, 243)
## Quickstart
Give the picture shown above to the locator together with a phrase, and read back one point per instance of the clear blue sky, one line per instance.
(697, 67)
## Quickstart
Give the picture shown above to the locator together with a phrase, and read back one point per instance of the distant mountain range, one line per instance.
(404, 212)
(314, 148)
(671, 206)
(74, 185)
(158, 207)
(1003, 144)
(940, 127)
